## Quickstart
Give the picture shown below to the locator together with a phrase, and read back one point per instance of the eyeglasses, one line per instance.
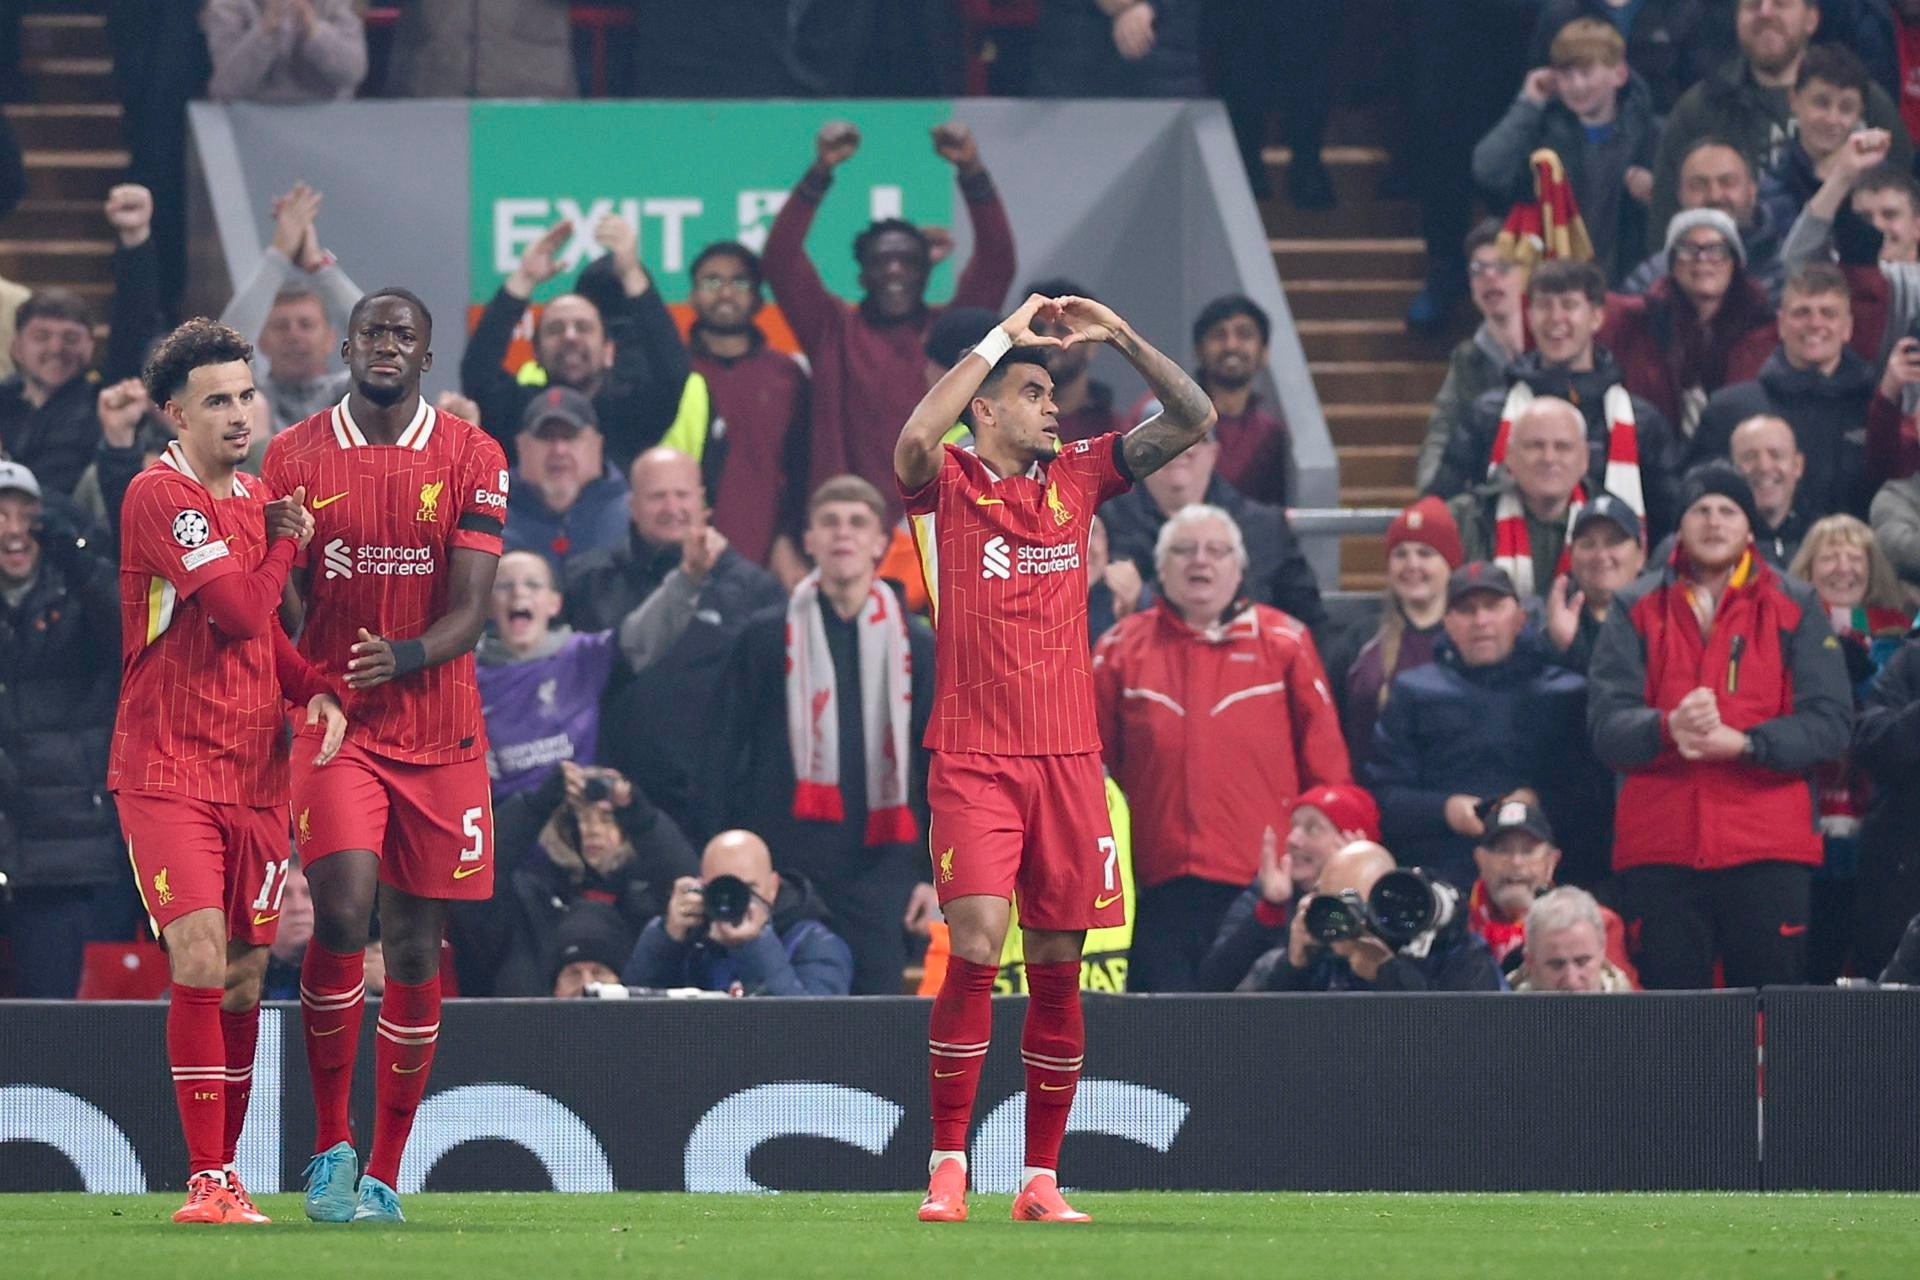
(723, 284)
(1213, 550)
(1717, 251)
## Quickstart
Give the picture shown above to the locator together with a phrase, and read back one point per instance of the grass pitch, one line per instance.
(1146, 1234)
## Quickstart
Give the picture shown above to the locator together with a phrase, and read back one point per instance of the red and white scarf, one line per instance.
(1512, 546)
(886, 704)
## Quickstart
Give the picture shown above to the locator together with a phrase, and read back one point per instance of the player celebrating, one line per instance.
(409, 505)
(197, 766)
(1015, 786)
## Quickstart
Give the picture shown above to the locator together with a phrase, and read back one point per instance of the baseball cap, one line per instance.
(15, 476)
(1518, 815)
(561, 407)
(1609, 508)
(1478, 576)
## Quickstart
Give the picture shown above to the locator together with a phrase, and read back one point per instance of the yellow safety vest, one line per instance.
(1103, 959)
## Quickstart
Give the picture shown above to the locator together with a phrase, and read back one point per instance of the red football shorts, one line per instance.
(1032, 829)
(192, 854)
(431, 824)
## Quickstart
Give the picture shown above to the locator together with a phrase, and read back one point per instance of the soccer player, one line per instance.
(197, 767)
(409, 505)
(1016, 790)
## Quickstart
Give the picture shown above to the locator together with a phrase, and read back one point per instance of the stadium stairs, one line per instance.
(69, 132)
(1349, 273)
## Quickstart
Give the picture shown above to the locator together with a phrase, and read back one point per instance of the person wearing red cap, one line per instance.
(1423, 546)
(1324, 821)
(1214, 713)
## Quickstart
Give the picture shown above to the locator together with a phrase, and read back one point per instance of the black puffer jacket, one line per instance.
(59, 682)
(1828, 414)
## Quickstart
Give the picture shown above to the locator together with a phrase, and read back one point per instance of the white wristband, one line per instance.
(994, 347)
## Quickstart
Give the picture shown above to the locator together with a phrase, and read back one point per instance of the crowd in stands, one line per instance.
(1640, 703)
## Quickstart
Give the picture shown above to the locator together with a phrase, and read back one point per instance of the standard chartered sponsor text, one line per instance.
(1058, 559)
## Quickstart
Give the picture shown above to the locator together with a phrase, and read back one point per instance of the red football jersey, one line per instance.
(1006, 564)
(387, 519)
(201, 712)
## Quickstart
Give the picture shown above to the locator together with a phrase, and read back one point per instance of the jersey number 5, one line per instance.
(470, 824)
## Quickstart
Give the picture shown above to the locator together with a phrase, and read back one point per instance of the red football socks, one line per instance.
(1053, 1044)
(957, 1039)
(402, 1053)
(198, 1057)
(241, 1031)
(332, 994)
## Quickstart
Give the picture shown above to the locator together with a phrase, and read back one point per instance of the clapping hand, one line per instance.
(540, 261)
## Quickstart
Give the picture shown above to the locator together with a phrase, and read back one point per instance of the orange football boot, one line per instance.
(208, 1200)
(1041, 1202)
(946, 1194)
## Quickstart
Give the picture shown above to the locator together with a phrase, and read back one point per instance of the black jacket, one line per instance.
(1886, 748)
(748, 778)
(1241, 941)
(795, 955)
(1828, 413)
(636, 401)
(1277, 574)
(59, 682)
(505, 945)
(1470, 446)
(637, 733)
(1451, 729)
(61, 438)
(1457, 961)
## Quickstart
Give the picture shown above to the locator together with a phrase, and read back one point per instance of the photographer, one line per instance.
(1323, 821)
(742, 927)
(1340, 947)
(593, 839)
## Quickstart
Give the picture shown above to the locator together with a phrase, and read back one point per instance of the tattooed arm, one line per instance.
(1186, 414)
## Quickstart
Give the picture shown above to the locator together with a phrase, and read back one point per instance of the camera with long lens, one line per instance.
(1408, 904)
(1336, 917)
(728, 899)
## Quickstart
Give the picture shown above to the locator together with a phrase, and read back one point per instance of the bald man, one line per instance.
(1456, 960)
(701, 594)
(781, 946)
(1546, 459)
(1764, 449)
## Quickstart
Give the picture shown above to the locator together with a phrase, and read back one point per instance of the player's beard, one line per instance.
(384, 396)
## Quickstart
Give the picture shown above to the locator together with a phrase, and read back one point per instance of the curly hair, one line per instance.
(196, 343)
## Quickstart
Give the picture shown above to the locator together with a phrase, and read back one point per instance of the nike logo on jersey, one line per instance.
(1101, 904)
(260, 918)
(327, 502)
(461, 873)
(984, 501)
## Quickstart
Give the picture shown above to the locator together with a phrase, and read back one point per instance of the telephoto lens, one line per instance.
(727, 899)
(1336, 917)
(1407, 903)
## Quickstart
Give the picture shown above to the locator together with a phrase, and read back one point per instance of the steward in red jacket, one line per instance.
(1213, 716)
(1716, 688)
